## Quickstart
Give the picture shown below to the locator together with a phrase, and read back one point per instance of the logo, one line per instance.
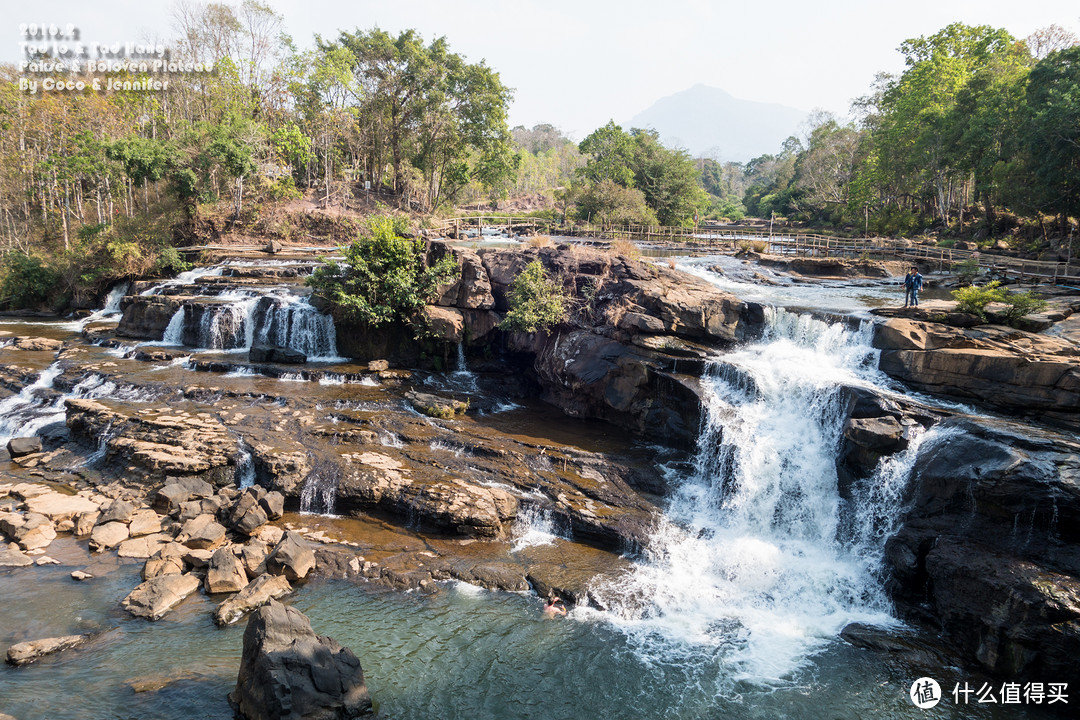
(925, 693)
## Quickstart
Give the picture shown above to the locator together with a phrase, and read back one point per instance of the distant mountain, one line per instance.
(705, 119)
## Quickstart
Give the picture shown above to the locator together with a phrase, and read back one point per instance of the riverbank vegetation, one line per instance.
(978, 138)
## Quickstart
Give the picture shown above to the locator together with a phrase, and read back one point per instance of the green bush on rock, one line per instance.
(536, 302)
(974, 299)
(384, 278)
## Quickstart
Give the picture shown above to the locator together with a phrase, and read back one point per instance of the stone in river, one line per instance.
(289, 672)
(225, 573)
(27, 652)
(292, 557)
(17, 447)
(108, 536)
(255, 594)
(157, 596)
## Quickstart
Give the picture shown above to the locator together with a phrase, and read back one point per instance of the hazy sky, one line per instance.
(577, 63)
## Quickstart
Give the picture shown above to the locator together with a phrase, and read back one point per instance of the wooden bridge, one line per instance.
(709, 240)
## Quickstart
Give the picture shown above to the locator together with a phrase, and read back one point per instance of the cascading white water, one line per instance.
(751, 567)
(174, 331)
(34, 408)
(294, 323)
(20, 414)
(244, 474)
(462, 376)
(319, 494)
(533, 526)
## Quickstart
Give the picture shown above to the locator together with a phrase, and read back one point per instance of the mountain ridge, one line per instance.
(704, 119)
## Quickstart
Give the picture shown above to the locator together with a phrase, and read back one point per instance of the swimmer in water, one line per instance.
(554, 606)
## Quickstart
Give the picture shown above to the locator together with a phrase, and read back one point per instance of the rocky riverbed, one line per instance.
(225, 434)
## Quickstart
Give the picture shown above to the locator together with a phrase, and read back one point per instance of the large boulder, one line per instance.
(225, 573)
(107, 536)
(986, 547)
(202, 533)
(276, 354)
(17, 447)
(255, 594)
(287, 672)
(173, 494)
(31, 531)
(995, 365)
(292, 557)
(158, 595)
(247, 514)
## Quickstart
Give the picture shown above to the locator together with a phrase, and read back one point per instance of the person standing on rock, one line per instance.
(916, 285)
(913, 282)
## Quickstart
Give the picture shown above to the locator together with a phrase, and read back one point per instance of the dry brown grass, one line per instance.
(671, 263)
(539, 241)
(624, 247)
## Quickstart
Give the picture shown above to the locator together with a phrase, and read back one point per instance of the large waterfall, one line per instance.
(759, 560)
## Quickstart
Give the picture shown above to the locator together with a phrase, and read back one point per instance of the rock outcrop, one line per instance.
(995, 365)
(157, 596)
(987, 549)
(287, 672)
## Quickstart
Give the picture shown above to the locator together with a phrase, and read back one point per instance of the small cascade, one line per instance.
(31, 409)
(534, 526)
(464, 378)
(319, 494)
(189, 277)
(244, 475)
(103, 446)
(37, 407)
(174, 331)
(296, 324)
(111, 309)
(754, 566)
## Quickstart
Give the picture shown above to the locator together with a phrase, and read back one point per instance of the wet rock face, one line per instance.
(987, 549)
(287, 672)
(145, 317)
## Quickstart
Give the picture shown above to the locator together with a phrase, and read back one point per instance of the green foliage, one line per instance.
(1053, 140)
(1021, 305)
(170, 262)
(536, 302)
(384, 278)
(967, 271)
(29, 281)
(667, 179)
(974, 299)
(608, 202)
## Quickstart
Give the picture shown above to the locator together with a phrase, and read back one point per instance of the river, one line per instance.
(732, 610)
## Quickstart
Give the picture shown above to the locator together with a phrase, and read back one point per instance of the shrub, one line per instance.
(1021, 305)
(967, 271)
(974, 299)
(170, 261)
(29, 282)
(536, 303)
(384, 278)
(539, 241)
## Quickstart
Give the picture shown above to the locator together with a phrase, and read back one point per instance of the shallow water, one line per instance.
(462, 653)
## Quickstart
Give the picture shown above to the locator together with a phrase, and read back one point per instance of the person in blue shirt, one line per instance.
(913, 283)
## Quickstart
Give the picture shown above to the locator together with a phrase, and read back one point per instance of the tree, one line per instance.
(1053, 134)
(429, 109)
(536, 302)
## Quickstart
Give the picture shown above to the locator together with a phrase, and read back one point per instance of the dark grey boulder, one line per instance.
(287, 672)
(276, 354)
(17, 447)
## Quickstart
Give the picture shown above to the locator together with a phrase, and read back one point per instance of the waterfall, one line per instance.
(319, 494)
(464, 378)
(534, 526)
(174, 331)
(752, 566)
(294, 323)
(244, 475)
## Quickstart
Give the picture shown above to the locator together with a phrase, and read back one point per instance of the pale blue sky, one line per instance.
(577, 63)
